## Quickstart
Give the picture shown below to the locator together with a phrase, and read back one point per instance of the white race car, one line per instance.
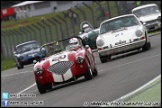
(121, 34)
(150, 15)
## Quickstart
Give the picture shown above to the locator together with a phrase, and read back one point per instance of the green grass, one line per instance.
(149, 96)
(7, 64)
(14, 39)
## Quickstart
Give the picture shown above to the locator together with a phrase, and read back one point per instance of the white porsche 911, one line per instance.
(121, 34)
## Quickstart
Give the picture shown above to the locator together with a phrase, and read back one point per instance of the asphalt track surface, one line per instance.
(121, 75)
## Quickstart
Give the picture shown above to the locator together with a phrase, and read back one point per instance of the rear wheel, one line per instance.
(41, 88)
(88, 75)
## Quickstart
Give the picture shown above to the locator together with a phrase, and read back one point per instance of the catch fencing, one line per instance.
(65, 24)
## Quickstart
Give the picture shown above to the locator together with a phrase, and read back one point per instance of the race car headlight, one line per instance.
(79, 59)
(100, 42)
(138, 33)
(159, 17)
(39, 71)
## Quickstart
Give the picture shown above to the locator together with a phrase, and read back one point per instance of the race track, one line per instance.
(121, 75)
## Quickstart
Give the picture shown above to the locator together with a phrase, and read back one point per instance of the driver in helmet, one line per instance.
(86, 28)
(74, 44)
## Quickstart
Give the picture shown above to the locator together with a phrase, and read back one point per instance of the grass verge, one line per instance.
(7, 64)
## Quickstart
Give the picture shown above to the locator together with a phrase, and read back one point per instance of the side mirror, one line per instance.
(87, 46)
(143, 22)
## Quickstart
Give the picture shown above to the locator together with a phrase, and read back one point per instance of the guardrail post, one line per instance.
(65, 24)
(60, 26)
(17, 35)
(57, 36)
(33, 31)
(13, 37)
(24, 33)
(101, 10)
(78, 17)
(5, 49)
(81, 12)
(30, 38)
(22, 40)
(49, 29)
(71, 23)
(9, 44)
(39, 33)
(94, 25)
(44, 29)
(116, 4)
(108, 7)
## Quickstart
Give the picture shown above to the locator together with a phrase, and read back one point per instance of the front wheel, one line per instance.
(41, 88)
(20, 66)
(88, 75)
(146, 46)
(104, 58)
(49, 86)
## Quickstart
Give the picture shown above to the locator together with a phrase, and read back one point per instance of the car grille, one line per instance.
(153, 21)
(60, 67)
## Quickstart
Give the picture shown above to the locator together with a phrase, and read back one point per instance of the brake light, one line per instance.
(142, 38)
(99, 48)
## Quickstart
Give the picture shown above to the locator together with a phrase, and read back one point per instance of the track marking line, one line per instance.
(135, 91)
(16, 74)
(99, 71)
(27, 88)
(131, 62)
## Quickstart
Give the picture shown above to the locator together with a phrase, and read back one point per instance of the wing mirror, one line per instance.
(143, 22)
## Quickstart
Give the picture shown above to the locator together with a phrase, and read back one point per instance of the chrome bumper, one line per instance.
(122, 48)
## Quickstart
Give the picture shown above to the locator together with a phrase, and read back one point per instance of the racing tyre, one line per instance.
(49, 86)
(41, 88)
(88, 75)
(103, 58)
(95, 72)
(146, 46)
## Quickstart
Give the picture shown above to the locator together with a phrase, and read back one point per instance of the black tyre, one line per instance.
(104, 58)
(49, 86)
(88, 75)
(146, 46)
(95, 72)
(41, 88)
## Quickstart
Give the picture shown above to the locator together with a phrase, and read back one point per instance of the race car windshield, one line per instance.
(27, 47)
(146, 11)
(119, 23)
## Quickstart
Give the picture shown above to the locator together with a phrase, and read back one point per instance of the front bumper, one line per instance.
(153, 25)
(122, 48)
(30, 59)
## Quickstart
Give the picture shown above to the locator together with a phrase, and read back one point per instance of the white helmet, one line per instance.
(85, 26)
(73, 41)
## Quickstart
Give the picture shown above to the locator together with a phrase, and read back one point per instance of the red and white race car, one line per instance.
(65, 61)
